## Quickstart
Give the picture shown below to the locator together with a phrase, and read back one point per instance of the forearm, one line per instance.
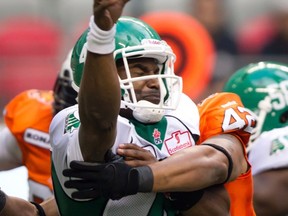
(201, 166)
(50, 207)
(99, 103)
(13, 206)
(190, 169)
(99, 95)
(215, 201)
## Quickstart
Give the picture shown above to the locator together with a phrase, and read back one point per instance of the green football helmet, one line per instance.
(263, 88)
(136, 39)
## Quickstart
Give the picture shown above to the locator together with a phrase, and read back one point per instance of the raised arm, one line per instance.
(99, 94)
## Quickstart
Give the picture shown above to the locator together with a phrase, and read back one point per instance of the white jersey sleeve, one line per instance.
(64, 139)
(269, 151)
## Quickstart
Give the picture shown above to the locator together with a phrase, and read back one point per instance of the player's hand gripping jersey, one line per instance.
(224, 113)
(28, 117)
(177, 130)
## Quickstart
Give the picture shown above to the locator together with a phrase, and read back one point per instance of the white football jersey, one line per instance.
(177, 130)
(269, 151)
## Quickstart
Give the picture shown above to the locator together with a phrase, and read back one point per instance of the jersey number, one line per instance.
(237, 119)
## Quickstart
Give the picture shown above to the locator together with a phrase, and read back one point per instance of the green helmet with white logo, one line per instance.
(136, 39)
(263, 88)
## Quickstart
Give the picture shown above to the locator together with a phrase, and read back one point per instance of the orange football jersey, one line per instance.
(28, 117)
(224, 113)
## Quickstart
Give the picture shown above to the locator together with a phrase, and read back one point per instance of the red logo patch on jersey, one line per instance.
(157, 136)
(178, 140)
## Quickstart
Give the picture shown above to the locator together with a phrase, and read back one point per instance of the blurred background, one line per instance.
(35, 37)
(217, 38)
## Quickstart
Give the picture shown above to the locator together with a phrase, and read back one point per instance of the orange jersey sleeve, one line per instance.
(224, 113)
(28, 117)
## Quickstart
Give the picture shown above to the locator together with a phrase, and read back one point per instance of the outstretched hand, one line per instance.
(107, 12)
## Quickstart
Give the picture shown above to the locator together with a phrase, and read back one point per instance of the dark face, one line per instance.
(145, 89)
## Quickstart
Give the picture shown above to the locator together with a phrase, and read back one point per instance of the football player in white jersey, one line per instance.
(149, 92)
(263, 88)
(139, 81)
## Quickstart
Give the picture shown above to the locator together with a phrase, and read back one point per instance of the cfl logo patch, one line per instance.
(72, 122)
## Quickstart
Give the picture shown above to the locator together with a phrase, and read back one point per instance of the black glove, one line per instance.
(112, 180)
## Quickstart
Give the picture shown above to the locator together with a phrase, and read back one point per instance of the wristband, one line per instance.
(145, 179)
(100, 41)
(40, 209)
(2, 200)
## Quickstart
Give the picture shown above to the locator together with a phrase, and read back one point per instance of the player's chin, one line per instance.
(155, 99)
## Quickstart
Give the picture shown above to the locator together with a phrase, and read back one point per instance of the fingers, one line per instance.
(102, 17)
(135, 155)
(80, 184)
(80, 169)
(81, 165)
(145, 160)
(75, 174)
(136, 163)
(92, 175)
(129, 146)
(130, 150)
(132, 153)
(88, 194)
(107, 12)
(103, 4)
(111, 157)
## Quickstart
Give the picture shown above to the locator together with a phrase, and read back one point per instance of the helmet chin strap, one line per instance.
(147, 115)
